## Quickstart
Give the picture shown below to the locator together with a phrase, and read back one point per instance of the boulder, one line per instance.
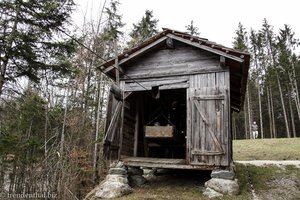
(210, 193)
(223, 174)
(223, 186)
(135, 171)
(112, 190)
(116, 178)
(137, 180)
(115, 184)
(149, 171)
(117, 171)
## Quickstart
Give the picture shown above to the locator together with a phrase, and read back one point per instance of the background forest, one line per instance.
(53, 93)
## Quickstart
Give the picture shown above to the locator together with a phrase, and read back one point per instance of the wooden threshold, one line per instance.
(167, 163)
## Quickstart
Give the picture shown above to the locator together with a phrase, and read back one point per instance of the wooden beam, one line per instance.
(222, 61)
(206, 153)
(117, 71)
(136, 127)
(170, 43)
(127, 94)
(116, 91)
(142, 50)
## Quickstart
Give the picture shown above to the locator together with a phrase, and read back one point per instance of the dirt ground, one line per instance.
(282, 188)
(269, 182)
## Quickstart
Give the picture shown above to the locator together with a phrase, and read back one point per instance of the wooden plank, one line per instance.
(155, 160)
(221, 53)
(188, 125)
(208, 128)
(117, 70)
(159, 131)
(222, 61)
(142, 50)
(209, 97)
(170, 166)
(162, 84)
(180, 55)
(110, 133)
(136, 127)
(161, 75)
(206, 153)
(121, 130)
(171, 70)
(116, 91)
(170, 78)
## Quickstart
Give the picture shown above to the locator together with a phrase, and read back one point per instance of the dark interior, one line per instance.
(165, 108)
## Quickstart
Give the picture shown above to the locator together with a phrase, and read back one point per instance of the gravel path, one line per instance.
(279, 163)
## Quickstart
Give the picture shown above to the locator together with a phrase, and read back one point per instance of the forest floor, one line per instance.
(270, 176)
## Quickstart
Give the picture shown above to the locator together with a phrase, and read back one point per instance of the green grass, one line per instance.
(269, 182)
(189, 187)
(267, 149)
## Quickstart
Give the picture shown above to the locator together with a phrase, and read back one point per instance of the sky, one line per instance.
(216, 19)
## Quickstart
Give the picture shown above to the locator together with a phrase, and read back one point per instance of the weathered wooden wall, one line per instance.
(210, 92)
(169, 62)
(128, 133)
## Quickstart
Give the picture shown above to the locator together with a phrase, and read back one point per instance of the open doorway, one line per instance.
(164, 124)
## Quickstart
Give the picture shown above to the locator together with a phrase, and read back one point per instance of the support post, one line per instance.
(136, 128)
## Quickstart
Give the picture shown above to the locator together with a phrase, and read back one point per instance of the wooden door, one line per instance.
(112, 139)
(209, 122)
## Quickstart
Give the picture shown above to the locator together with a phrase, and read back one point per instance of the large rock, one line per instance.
(223, 186)
(137, 180)
(223, 174)
(116, 178)
(149, 171)
(135, 171)
(115, 184)
(117, 171)
(210, 193)
(113, 190)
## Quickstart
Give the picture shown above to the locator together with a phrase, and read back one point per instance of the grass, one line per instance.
(269, 182)
(189, 185)
(267, 149)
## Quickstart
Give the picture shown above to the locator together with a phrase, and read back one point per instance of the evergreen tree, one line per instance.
(112, 30)
(245, 117)
(29, 38)
(144, 29)
(192, 29)
(241, 39)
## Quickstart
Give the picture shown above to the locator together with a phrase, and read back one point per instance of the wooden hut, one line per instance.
(172, 104)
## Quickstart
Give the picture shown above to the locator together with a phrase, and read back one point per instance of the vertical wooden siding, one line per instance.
(201, 85)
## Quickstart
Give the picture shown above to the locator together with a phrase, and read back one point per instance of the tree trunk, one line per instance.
(249, 113)
(270, 113)
(292, 117)
(245, 121)
(273, 115)
(293, 82)
(260, 113)
(283, 108)
(60, 188)
(98, 120)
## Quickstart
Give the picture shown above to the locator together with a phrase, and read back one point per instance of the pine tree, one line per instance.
(241, 43)
(112, 30)
(192, 29)
(144, 29)
(241, 39)
(30, 40)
